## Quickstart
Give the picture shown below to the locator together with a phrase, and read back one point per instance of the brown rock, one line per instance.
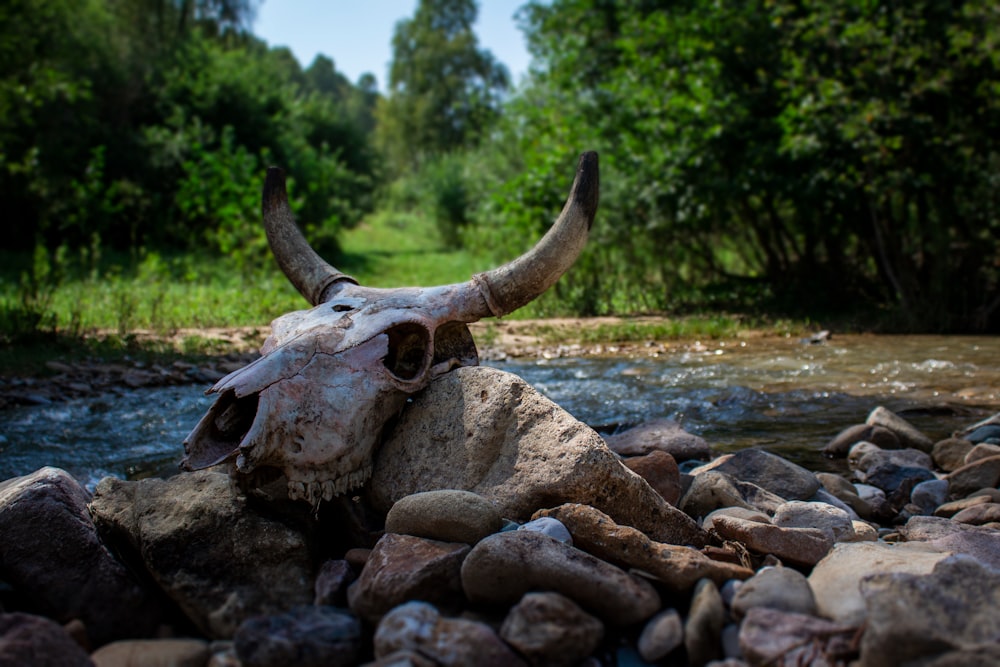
(789, 639)
(983, 450)
(843, 441)
(661, 635)
(909, 435)
(949, 454)
(447, 515)
(798, 546)
(37, 642)
(703, 627)
(974, 476)
(977, 515)
(949, 510)
(660, 471)
(153, 653)
(332, 580)
(663, 435)
(711, 490)
(550, 629)
(769, 471)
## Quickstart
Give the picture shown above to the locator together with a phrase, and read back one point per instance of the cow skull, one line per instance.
(312, 407)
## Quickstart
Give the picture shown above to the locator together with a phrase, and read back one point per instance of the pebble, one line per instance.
(777, 588)
(660, 471)
(981, 474)
(703, 628)
(802, 514)
(982, 451)
(550, 629)
(909, 436)
(445, 515)
(26, 639)
(661, 635)
(153, 653)
(768, 471)
(331, 584)
(547, 525)
(843, 441)
(798, 546)
(949, 454)
(304, 636)
(786, 639)
(711, 490)
(929, 495)
(978, 515)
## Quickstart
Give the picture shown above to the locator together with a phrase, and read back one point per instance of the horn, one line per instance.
(316, 280)
(508, 287)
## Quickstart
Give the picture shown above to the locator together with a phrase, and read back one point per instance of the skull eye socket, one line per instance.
(408, 344)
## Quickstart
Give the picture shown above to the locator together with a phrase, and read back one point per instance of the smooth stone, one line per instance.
(982, 451)
(802, 514)
(677, 568)
(711, 490)
(660, 471)
(475, 427)
(950, 509)
(893, 478)
(730, 643)
(843, 441)
(547, 525)
(835, 580)
(332, 580)
(957, 605)
(664, 435)
(865, 456)
(988, 434)
(864, 532)
(304, 637)
(661, 635)
(776, 588)
(768, 471)
(550, 629)
(420, 628)
(780, 638)
(909, 435)
(981, 474)
(798, 546)
(977, 515)
(979, 542)
(403, 568)
(29, 640)
(708, 523)
(949, 454)
(823, 496)
(843, 490)
(929, 495)
(153, 653)
(447, 515)
(504, 566)
(703, 627)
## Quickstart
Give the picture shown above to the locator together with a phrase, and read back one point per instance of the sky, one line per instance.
(357, 34)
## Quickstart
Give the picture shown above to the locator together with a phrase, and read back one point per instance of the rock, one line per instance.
(475, 428)
(550, 629)
(449, 642)
(974, 476)
(798, 546)
(948, 510)
(768, 471)
(304, 637)
(982, 451)
(213, 554)
(402, 658)
(977, 515)
(843, 441)
(403, 568)
(864, 532)
(823, 496)
(949, 454)
(957, 605)
(664, 435)
(153, 653)
(50, 552)
(801, 514)
(661, 635)
(712, 490)
(708, 523)
(929, 495)
(547, 525)
(908, 435)
(731, 644)
(835, 581)
(779, 588)
(892, 478)
(678, 568)
(845, 492)
(38, 642)
(332, 580)
(984, 655)
(660, 471)
(447, 515)
(505, 566)
(787, 639)
(703, 627)
(979, 542)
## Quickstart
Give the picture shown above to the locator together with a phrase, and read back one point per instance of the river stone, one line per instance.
(844, 491)
(949, 454)
(332, 580)
(802, 514)
(950, 509)
(777, 588)
(827, 498)
(447, 515)
(679, 568)
(768, 471)
(703, 627)
(982, 451)
(304, 637)
(663, 435)
(708, 523)
(798, 546)
(712, 490)
(779, 638)
(977, 515)
(213, 554)
(50, 553)
(843, 441)
(955, 608)
(35, 641)
(660, 471)
(449, 642)
(979, 542)
(505, 566)
(865, 456)
(930, 495)
(153, 653)
(973, 476)
(908, 434)
(661, 635)
(835, 581)
(402, 568)
(489, 432)
(550, 629)
(546, 525)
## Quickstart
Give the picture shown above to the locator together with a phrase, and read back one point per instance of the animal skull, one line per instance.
(312, 407)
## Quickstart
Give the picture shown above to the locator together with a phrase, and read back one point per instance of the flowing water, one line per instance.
(781, 394)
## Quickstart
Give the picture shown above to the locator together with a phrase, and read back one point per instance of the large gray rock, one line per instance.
(50, 553)
(768, 471)
(217, 558)
(663, 435)
(486, 431)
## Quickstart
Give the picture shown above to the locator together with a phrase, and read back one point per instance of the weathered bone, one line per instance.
(313, 406)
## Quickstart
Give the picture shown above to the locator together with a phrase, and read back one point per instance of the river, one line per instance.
(785, 395)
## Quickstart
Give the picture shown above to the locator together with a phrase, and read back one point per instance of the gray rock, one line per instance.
(799, 546)
(866, 456)
(703, 627)
(304, 637)
(332, 580)
(929, 495)
(908, 435)
(505, 566)
(663, 435)
(447, 515)
(949, 454)
(550, 629)
(473, 428)
(978, 542)
(979, 515)
(38, 642)
(768, 471)
(843, 441)
(981, 474)
(711, 490)
(786, 639)
(844, 491)
(779, 588)
(547, 525)
(801, 514)
(661, 635)
(823, 496)
(50, 552)
(708, 523)
(216, 557)
(153, 653)
(982, 451)
(950, 509)
(957, 605)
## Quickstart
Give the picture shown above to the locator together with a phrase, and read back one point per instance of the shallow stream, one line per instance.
(781, 394)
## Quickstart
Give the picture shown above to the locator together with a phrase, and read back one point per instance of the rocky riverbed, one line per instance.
(496, 529)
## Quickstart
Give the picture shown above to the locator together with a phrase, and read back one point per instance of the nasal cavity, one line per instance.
(408, 354)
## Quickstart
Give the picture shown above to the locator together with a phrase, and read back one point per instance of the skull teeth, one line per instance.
(316, 491)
